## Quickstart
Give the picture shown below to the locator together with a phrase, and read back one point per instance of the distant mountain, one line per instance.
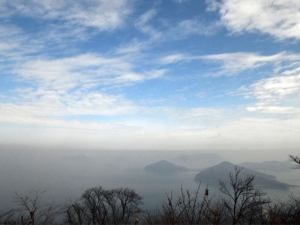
(198, 161)
(222, 170)
(272, 167)
(164, 166)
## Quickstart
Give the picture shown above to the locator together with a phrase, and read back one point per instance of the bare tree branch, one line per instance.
(295, 159)
(36, 212)
(243, 199)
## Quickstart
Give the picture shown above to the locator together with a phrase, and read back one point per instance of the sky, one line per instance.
(151, 74)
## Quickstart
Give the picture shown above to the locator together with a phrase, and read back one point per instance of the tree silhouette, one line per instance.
(196, 208)
(99, 206)
(35, 210)
(242, 200)
(31, 209)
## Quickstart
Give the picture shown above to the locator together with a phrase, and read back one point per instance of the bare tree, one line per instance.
(128, 204)
(75, 213)
(186, 209)
(295, 159)
(8, 217)
(34, 211)
(287, 212)
(242, 200)
(99, 206)
(93, 204)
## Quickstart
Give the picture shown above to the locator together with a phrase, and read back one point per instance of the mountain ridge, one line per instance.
(221, 172)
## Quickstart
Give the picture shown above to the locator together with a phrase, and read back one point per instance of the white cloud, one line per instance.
(230, 64)
(194, 26)
(276, 88)
(143, 24)
(9, 36)
(275, 95)
(100, 14)
(146, 17)
(279, 93)
(180, 1)
(71, 86)
(50, 105)
(234, 63)
(87, 71)
(12, 43)
(274, 109)
(279, 18)
(175, 58)
(168, 32)
(162, 30)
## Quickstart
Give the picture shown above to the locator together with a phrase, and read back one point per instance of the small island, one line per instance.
(164, 166)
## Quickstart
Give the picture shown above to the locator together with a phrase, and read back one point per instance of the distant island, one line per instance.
(164, 166)
(222, 170)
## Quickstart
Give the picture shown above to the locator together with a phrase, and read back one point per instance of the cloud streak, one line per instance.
(100, 14)
(86, 71)
(74, 86)
(230, 64)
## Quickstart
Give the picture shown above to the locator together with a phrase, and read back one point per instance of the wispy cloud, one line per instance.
(168, 32)
(100, 14)
(276, 89)
(72, 86)
(13, 43)
(235, 63)
(174, 58)
(143, 24)
(87, 70)
(280, 92)
(230, 64)
(278, 18)
(57, 24)
(50, 104)
(180, 1)
(197, 27)
(274, 109)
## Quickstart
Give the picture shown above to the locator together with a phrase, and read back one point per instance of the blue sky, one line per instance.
(165, 74)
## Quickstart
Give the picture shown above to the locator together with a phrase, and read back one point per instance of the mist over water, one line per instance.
(66, 174)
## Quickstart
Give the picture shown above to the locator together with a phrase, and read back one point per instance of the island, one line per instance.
(164, 166)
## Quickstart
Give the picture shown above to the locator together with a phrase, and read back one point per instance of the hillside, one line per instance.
(222, 170)
(164, 166)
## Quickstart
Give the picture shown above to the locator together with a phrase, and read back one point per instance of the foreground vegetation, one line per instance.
(241, 203)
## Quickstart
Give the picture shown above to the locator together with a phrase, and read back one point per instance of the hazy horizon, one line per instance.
(66, 174)
(232, 155)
